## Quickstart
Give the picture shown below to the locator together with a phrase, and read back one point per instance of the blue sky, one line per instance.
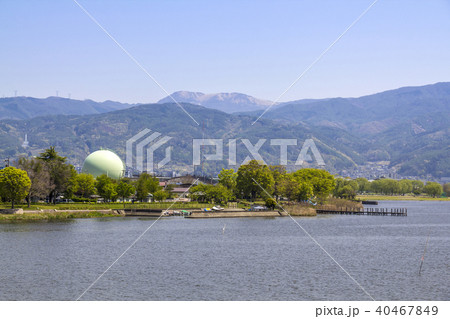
(254, 47)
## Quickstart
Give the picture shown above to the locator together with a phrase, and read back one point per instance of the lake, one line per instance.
(253, 259)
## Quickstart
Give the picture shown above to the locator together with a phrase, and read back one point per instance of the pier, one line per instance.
(365, 211)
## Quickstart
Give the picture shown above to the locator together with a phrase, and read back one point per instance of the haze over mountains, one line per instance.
(28, 107)
(407, 128)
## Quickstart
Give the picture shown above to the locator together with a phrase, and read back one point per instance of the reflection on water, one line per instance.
(254, 259)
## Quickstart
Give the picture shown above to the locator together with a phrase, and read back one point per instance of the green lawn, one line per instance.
(52, 216)
(100, 206)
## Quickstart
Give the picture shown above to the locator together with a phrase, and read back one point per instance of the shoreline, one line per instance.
(400, 198)
(22, 215)
(56, 215)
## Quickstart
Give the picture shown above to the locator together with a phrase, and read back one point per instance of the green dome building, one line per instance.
(103, 162)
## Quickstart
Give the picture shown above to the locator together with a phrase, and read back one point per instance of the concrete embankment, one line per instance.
(234, 214)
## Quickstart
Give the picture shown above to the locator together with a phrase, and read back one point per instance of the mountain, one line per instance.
(225, 102)
(406, 130)
(28, 107)
(368, 115)
(77, 136)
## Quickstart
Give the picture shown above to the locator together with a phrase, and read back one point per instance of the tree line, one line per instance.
(349, 188)
(49, 177)
(255, 180)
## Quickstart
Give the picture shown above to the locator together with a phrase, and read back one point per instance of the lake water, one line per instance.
(254, 259)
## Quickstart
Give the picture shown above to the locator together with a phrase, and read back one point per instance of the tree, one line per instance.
(248, 178)
(106, 187)
(218, 193)
(60, 172)
(160, 195)
(345, 188)
(386, 186)
(447, 189)
(39, 177)
(145, 185)
(110, 192)
(278, 173)
(169, 188)
(227, 178)
(50, 154)
(417, 187)
(270, 203)
(198, 193)
(405, 186)
(71, 185)
(363, 184)
(85, 185)
(295, 189)
(433, 189)
(321, 181)
(14, 184)
(210, 193)
(124, 189)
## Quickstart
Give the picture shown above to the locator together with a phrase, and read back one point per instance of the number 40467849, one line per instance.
(408, 310)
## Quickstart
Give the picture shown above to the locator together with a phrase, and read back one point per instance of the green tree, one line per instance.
(125, 189)
(198, 193)
(106, 187)
(385, 186)
(14, 184)
(39, 177)
(85, 185)
(50, 154)
(447, 189)
(363, 185)
(71, 186)
(417, 187)
(278, 173)
(218, 193)
(169, 188)
(160, 195)
(60, 172)
(227, 178)
(345, 188)
(405, 186)
(110, 192)
(433, 189)
(249, 176)
(145, 185)
(295, 189)
(270, 203)
(321, 181)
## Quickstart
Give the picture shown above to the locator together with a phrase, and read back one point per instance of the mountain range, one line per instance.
(21, 108)
(407, 129)
(225, 102)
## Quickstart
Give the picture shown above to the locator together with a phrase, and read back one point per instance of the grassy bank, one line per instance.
(398, 197)
(101, 206)
(300, 210)
(52, 216)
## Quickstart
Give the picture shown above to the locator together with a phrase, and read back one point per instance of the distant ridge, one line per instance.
(406, 129)
(225, 102)
(23, 108)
